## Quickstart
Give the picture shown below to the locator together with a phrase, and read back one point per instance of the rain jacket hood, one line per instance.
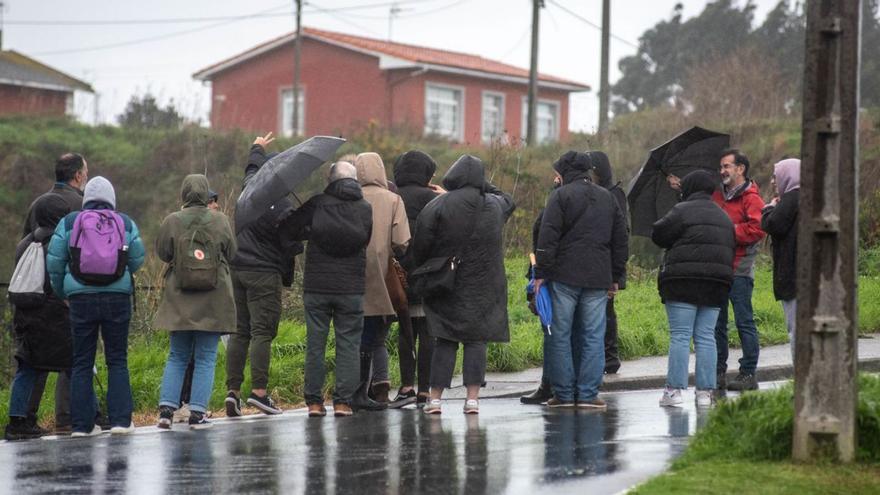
(788, 175)
(467, 171)
(698, 181)
(347, 189)
(414, 168)
(371, 170)
(194, 191)
(602, 166)
(572, 166)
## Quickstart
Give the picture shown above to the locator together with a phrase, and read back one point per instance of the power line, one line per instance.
(591, 23)
(438, 9)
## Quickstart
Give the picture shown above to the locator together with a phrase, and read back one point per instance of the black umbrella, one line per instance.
(650, 196)
(280, 175)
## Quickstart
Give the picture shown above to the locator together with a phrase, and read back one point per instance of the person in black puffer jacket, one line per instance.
(779, 219)
(603, 177)
(694, 281)
(338, 225)
(412, 175)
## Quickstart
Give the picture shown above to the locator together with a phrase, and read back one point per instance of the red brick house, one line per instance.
(30, 87)
(347, 81)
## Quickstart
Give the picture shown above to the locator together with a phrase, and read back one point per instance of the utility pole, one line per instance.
(2, 8)
(297, 44)
(537, 5)
(392, 12)
(826, 343)
(604, 90)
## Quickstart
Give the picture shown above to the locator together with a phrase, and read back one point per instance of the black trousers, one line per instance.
(408, 365)
(443, 363)
(612, 354)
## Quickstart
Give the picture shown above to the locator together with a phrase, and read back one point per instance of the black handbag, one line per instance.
(436, 276)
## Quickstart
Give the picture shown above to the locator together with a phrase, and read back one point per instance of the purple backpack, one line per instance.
(98, 251)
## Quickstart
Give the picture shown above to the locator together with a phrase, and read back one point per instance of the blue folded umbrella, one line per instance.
(543, 303)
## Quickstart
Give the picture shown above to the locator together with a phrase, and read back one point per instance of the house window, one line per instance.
(287, 112)
(493, 116)
(547, 122)
(444, 111)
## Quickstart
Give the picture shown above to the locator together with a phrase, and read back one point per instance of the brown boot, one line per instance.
(380, 392)
(317, 411)
(341, 410)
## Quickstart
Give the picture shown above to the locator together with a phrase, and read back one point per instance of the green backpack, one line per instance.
(197, 257)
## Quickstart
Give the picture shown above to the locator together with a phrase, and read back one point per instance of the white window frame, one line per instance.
(284, 127)
(556, 123)
(502, 114)
(459, 136)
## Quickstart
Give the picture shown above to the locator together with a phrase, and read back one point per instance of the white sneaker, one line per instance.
(671, 398)
(122, 430)
(95, 431)
(472, 406)
(704, 398)
(182, 414)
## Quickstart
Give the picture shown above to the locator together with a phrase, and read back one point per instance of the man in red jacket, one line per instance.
(739, 198)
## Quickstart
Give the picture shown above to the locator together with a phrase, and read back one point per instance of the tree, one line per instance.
(145, 114)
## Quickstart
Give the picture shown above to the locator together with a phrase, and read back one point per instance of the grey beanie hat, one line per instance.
(99, 189)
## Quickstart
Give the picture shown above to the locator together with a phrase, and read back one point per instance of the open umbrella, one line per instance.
(650, 196)
(543, 303)
(280, 175)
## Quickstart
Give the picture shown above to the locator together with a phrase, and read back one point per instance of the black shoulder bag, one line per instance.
(436, 276)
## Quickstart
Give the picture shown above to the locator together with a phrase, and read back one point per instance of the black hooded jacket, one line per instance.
(262, 246)
(699, 240)
(476, 310)
(583, 240)
(780, 222)
(602, 168)
(42, 335)
(338, 225)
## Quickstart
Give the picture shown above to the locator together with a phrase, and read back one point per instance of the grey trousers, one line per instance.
(789, 308)
(443, 363)
(346, 311)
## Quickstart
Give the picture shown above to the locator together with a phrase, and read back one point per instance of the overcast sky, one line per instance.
(123, 55)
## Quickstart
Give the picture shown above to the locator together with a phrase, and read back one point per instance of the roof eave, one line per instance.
(542, 83)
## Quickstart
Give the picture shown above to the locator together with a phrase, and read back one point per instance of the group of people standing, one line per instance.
(363, 234)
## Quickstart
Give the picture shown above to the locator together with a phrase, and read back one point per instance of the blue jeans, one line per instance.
(686, 321)
(576, 344)
(22, 388)
(741, 298)
(108, 313)
(186, 344)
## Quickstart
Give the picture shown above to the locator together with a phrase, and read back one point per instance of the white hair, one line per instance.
(341, 170)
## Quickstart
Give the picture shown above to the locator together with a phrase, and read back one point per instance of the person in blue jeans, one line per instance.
(581, 254)
(197, 304)
(97, 308)
(694, 281)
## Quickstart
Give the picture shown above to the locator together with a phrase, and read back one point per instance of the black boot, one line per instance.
(360, 401)
(540, 396)
(21, 429)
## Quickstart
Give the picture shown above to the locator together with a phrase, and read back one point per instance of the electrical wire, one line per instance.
(591, 23)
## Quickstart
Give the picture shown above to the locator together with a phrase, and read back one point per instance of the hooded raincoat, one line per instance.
(780, 222)
(209, 310)
(390, 231)
(476, 310)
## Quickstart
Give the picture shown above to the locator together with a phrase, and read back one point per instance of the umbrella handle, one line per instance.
(532, 259)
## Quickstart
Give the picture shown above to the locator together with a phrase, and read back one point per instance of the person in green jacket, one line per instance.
(197, 306)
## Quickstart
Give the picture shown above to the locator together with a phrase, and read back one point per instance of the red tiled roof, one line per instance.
(412, 53)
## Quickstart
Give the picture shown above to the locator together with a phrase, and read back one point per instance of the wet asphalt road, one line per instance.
(508, 448)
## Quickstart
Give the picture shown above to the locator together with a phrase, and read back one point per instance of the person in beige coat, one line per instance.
(197, 305)
(390, 237)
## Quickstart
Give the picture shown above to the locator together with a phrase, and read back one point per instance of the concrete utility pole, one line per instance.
(604, 90)
(392, 12)
(2, 8)
(826, 355)
(537, 5)
(297, 43)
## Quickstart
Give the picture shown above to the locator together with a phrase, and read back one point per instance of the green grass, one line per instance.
(752, 436)
(642, 323)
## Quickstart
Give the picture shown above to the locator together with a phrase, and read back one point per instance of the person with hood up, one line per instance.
(390, 237)
(412, 173)
(466, 222)
(197, 311)
(693, 282)
(41, 333)
(94, 308)
(581, 253)
(602, 176)
(338, 225)
(739, 198)
(262, 265)
(779, 219)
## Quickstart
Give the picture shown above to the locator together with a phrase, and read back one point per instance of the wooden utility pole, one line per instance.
(604, 91)
(826, 344)
(297, 44)
(537, 5)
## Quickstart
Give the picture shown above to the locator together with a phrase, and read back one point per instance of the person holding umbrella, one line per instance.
(693, 282)
(582, 252)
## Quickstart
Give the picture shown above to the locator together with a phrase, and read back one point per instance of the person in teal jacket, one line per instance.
(94, 308)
